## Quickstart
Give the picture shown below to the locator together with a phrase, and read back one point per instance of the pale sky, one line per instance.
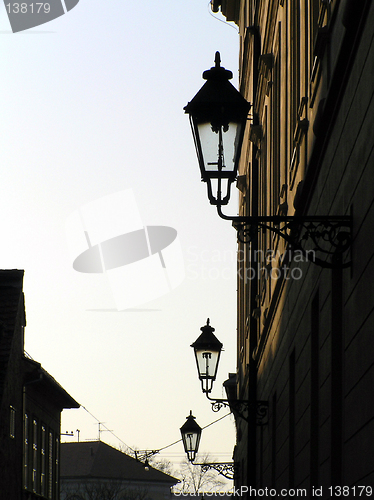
(92, 104)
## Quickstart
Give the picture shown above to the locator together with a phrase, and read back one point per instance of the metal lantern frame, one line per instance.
(207, 349)
(191, 434)
(218, 108)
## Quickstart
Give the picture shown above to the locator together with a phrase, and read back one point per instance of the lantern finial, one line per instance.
(217, 59)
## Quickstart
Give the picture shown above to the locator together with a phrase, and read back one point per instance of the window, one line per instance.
(276, 128)
(274, 442)
(314, 391)
(26, 452)
(57, 447)
(12, 423)
(295, 48)
(313, 18)
(35, 457)
(291, 419)
(43, 444)
(50, 465)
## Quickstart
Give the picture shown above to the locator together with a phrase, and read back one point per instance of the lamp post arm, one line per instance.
(229, 470)
(242, 408)
(329, 235)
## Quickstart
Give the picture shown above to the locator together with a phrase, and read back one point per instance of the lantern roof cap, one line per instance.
(190, 425)
(218, 96)
(207, 339)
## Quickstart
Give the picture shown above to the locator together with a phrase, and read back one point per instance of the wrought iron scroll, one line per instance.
(243, 408)
(322, 240)
(229, 470)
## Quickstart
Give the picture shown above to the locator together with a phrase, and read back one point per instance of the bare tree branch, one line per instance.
(194, 480)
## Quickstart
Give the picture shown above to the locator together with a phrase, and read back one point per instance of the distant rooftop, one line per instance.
(96, 459)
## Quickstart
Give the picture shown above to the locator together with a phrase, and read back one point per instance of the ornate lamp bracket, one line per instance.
(322, 240)
(243, 409)
(229, 470)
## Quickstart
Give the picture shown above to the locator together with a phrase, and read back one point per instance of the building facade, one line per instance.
(31, 402)
(304, 339)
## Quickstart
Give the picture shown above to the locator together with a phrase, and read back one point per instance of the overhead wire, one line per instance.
(179, 440)
(129, 447)
(108, 430)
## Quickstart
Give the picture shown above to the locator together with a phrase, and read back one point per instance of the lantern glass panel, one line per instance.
(214, 144)
(191, 442)
(207, 363)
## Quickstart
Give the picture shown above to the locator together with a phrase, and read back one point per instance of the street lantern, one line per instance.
(207, 350)
(191, 434)
(218, 115)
